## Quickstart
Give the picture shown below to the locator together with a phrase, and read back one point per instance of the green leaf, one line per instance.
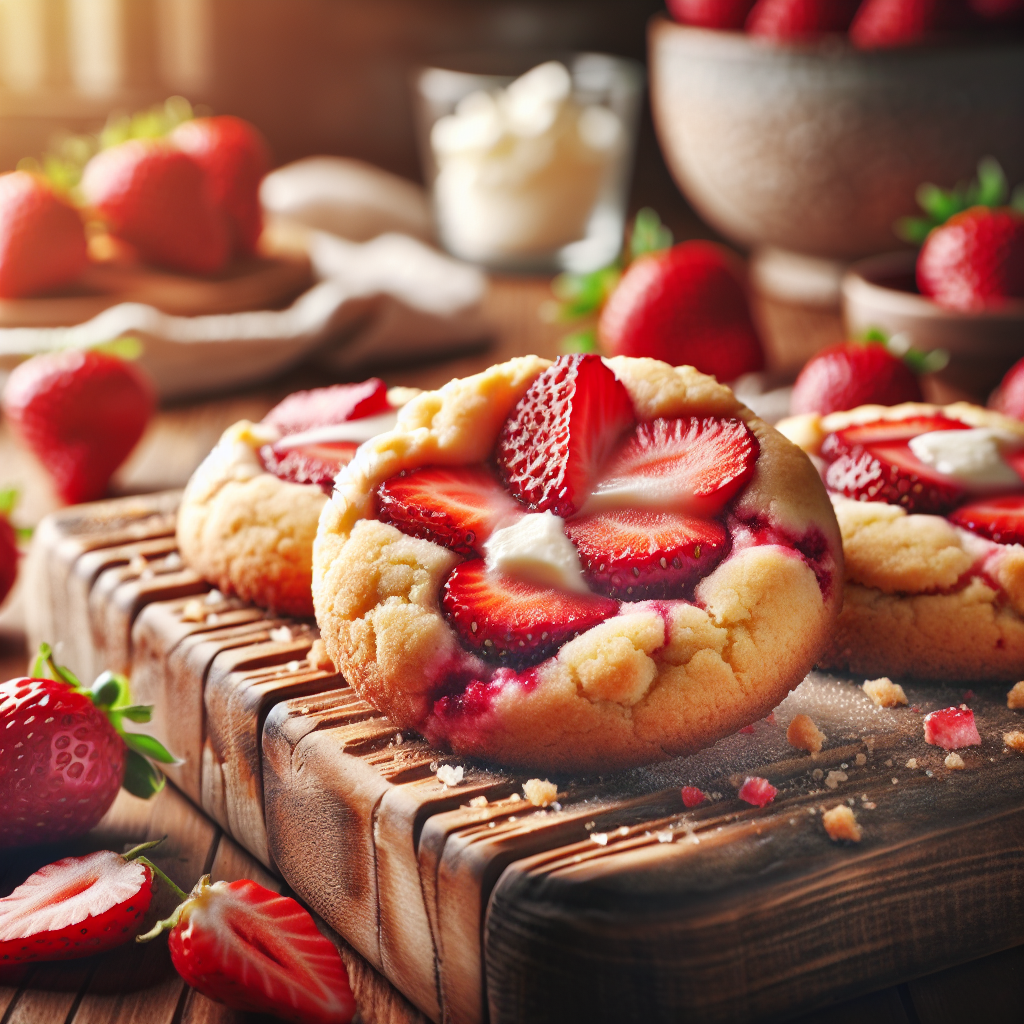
(8, 500)
(648, 234)
(913, 229)
(137, 712)
(991, 188)
(128, 348)
(580, 341)
(141, 779)
(580, 295)
(1017, 201)
(105, 691)
(148, 747)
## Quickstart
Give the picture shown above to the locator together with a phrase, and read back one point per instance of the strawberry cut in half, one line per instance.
(951, 728)
(638, 554)
(999, 519)
(75, 907)
(511, 622)
(459, 507)
(693, 465)
(561, 433)
(316, 464)
(873, 462)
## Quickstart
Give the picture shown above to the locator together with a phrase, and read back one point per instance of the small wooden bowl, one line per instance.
(880, 292)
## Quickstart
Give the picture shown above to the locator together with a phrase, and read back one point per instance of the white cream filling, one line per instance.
(973, 458)
(535, 549)
(356, 431)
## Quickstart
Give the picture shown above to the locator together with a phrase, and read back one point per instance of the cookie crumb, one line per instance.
(817, 775)
(281, 635)
(1014, 740)
(601, 838)
(954, 760)
(449, 775)
(478, 801)
(884, 692)
(805, 735)
(193, 611)
(833, 779)
(841, 823)
(540, 792)
(912, 763)
(1015, 698)
(664, 836)
(861, 759)
(318, 656)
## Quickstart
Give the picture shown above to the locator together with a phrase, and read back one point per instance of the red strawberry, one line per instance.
(692, 796)
(800, 19)
(235, 157)
(1008, 398)
(304, 410)
(853, 373)
(158, 199)
(884, 23)
(873, 462)
(8, 543)
(561, 432)
(692, 464)
(459, 507)
(999, 519)
(254, 950)
(42, 238)
(75, 907)
(316, 464)
(725, 14)
(636, 554)
(757, 791)
(64, 754)
(951, 729)
(685, 305)
(974, 260)
(81, 412)
(514, 623)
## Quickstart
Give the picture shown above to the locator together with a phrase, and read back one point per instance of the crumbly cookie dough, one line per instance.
(923, 597)
(658, 679)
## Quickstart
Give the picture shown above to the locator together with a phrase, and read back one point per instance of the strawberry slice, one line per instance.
(999, 519)
(951, 728)
(315, 464)
(459, 507)
(303, 410)
(561, 433)
(693, 465)
(636, 554)
(75, 907)
(254, 950)
(873, 462)
(511, 622)
(757, 791)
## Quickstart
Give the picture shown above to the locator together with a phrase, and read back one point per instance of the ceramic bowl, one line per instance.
(819, 148)
(880, 293)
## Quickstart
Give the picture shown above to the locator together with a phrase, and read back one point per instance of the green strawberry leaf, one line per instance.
(149, 747)
(913, 229)
(1017, 200)
(8, 500)
(580, 341)
(137, 712)
(108, 690)
(141, 779)
(899, 345)
(648, 234)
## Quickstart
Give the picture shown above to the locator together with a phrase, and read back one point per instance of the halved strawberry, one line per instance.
(951, 728)
(636, 554)
(514, 623)
(561, 433)
(873, 462)
(757, 791)
(459, 507)
(693, 465)
(303, 410)
(310, 463)
(75, 907)
(999, 519)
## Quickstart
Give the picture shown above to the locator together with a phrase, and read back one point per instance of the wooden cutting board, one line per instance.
(617, 905)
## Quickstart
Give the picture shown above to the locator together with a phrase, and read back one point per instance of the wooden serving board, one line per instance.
(619, 904)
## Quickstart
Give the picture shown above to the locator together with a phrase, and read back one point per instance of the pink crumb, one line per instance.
(757, 791)
(692, 796)
(771, 719)
(747, 730)
(969, 695)
(951, 728)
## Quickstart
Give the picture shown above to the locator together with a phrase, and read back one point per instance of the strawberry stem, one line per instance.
(186, 898)
(177, 890)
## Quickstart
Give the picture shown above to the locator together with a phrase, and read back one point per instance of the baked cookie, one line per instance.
(582, 565)
(249, 513)
(930, 501)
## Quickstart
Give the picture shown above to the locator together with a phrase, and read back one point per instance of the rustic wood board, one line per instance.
(618, 905)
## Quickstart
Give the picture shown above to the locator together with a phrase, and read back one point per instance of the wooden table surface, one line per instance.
(139, 984)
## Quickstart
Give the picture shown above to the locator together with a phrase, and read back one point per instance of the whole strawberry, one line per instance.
(42, 239)
(157, 198)
(800, 19)
(880, 24)
(254, 950)
(974, 260)
(81, 412)
(64, 753)
(1008, 398)
(235, 157)
(722, 14)
(685, 305)
(853, 373)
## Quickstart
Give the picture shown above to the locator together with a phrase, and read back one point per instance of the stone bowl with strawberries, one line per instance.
(814, 146)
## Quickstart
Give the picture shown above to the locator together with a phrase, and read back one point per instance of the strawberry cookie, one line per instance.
(248, 515)
(930, 501)
(583, 565)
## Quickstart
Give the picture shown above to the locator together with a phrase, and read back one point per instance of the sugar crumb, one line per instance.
(1014, 740)
(214, 597)
(450, 775)
(601, 838)
(540, 792)
(895, 781)
(212, 619)
(884, 692)
(833, 779)
(293, 666)
(1015, 698)
(841, 823)
(318, 656)
(912, 763)
(869, 805)
(281, 634)
(805, 735)
(954, 760)
(664, 835)
(478, 801)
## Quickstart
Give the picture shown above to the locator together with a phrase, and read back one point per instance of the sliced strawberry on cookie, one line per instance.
(303, 410)
(316, 464)
(459, 507)
(511, 622)
(692, 464)
(637, 554)
(562, 432)
(999, 519)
